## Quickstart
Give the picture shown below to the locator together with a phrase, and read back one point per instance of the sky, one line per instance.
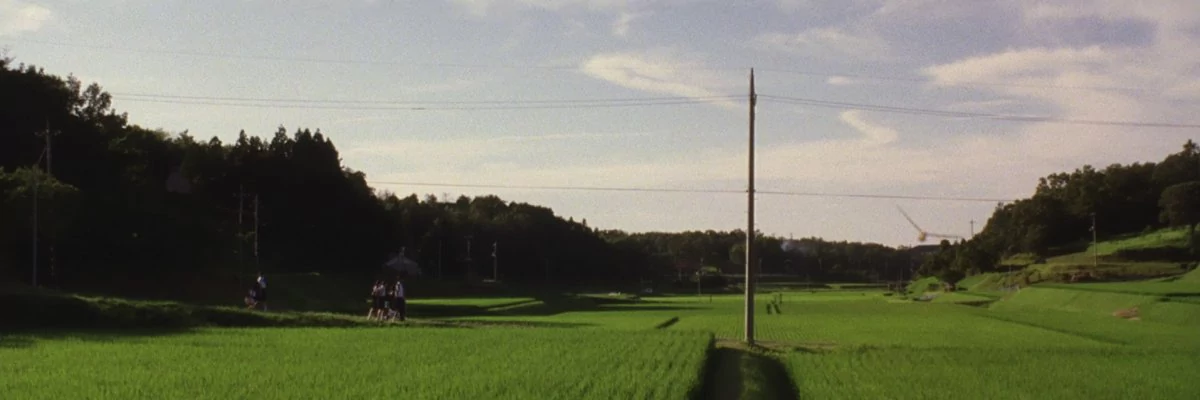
(552, 93)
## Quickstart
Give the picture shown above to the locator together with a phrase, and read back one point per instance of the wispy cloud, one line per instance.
(658, 73)
(484, 7)
(464, 148)
(827, 42)
(841, 81)
(17, 16)
(620, 27)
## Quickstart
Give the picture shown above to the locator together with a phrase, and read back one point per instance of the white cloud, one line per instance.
(484, 7)
(659, 73)
(841, 81)
(620, 27)
(17, 16)
(1151, 82)
(874, 135)
(826, 42)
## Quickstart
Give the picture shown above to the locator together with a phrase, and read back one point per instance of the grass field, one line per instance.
(1044, 342)
(357, 363)
(1157, 254)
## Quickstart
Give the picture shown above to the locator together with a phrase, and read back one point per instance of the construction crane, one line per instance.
(921, 233)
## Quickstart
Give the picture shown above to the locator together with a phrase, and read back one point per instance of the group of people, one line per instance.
(258, 293)
(387, 301)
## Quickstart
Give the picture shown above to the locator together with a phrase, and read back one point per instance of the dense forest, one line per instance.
(119, 201)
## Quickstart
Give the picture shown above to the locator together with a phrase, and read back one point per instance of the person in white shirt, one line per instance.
(377, 300)
(262, 291)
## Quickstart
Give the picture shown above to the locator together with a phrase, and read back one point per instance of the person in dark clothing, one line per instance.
(398, 302)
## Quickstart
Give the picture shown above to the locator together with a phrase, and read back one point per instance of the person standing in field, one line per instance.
(398, 302)
(262, 291)
(376, 301)
(252, 297)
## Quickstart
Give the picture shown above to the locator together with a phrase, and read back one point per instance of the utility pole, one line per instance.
(468, 271)
(1095, 250)
(37, 181)
(50, 173)
(495, 261)
(241, 240)
(972, 228)
(750, 223)
(256, 264)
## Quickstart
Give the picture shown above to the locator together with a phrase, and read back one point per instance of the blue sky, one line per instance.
(1069, 60)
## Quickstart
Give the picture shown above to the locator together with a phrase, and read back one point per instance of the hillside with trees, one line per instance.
(1058, 218)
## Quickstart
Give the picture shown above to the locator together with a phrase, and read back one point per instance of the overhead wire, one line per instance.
(691, 190)
(972, 115)
(421, 106)
(303, 100)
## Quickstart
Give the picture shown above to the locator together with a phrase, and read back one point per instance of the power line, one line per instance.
(960, 83)
(604, 189)
(960, 114)
(416, 107)
(886, 196)
(411, 102)
(693, 191)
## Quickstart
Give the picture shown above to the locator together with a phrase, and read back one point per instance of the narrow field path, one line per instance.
(736, 371)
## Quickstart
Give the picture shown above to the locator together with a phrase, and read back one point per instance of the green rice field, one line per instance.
(1042, 343)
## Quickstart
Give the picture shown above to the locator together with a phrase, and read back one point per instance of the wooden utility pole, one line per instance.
(256, 264)
(468, 269)
(241, 245)
(1095, 249)
(495, 261)
(37, 181)
(750, 224)
(36, 178)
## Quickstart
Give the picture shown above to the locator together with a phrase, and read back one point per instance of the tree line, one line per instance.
(119, 201)
(1059, 217)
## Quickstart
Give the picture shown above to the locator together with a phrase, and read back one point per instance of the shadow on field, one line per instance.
(513, 324)
(542, 305)
(30, 338)
(15, 342)
(735, 371)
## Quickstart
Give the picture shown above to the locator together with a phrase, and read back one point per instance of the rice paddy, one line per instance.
(812, 344)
